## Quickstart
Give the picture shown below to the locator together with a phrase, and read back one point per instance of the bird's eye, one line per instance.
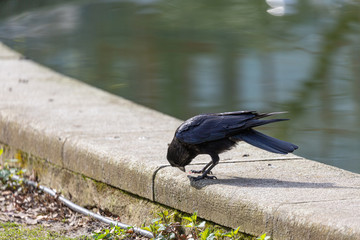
(168, 144)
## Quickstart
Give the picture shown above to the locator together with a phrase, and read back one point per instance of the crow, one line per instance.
(214, 133)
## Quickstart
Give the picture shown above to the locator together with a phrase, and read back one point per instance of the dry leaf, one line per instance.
(4, 193)
(30, 221)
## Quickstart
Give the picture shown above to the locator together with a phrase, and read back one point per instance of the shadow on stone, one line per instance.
(262, 183)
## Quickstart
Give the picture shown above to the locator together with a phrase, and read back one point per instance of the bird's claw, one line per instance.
(199, 171)
(203, 177)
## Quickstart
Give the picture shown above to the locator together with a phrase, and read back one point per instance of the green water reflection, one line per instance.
(185, 57)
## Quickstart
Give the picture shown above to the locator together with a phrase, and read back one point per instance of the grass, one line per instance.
(165, 227)
(14, 231)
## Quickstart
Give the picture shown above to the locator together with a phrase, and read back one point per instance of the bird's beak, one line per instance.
(182, 168)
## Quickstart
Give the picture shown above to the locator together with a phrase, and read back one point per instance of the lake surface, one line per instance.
(185, 57)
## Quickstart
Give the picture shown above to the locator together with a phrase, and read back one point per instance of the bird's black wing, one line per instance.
(211, 127)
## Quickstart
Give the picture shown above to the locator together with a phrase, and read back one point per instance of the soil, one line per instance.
(29, 206)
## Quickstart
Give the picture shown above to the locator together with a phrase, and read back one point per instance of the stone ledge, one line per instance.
(78, 128)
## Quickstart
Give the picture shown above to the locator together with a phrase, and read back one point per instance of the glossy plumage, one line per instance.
(218, 132)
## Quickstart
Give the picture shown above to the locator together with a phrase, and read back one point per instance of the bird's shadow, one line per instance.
(261, 183)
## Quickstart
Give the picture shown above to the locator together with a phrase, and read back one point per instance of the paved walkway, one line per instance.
(115, 141)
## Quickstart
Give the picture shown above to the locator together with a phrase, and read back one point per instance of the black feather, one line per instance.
(215, 133)
(265, 142)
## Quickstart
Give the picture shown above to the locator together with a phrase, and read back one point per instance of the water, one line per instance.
(187, 57)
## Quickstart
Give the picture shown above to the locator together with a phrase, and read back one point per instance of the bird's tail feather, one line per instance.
(262, 115)
(258, 122)
(266, 142)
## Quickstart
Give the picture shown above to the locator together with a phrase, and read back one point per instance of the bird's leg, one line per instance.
(207, 169)
(202, 170)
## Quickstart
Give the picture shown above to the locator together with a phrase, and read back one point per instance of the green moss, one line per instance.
(23, 158)
(30, 162)
(84, 177)
(103, 187)
(100, 186)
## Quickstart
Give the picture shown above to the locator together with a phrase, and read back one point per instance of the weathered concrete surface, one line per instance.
(90, 193)
(287, 198)
(80, 129)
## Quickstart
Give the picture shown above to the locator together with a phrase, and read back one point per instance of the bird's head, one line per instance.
(178, 154)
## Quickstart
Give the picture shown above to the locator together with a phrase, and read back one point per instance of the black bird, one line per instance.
(215, 133)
